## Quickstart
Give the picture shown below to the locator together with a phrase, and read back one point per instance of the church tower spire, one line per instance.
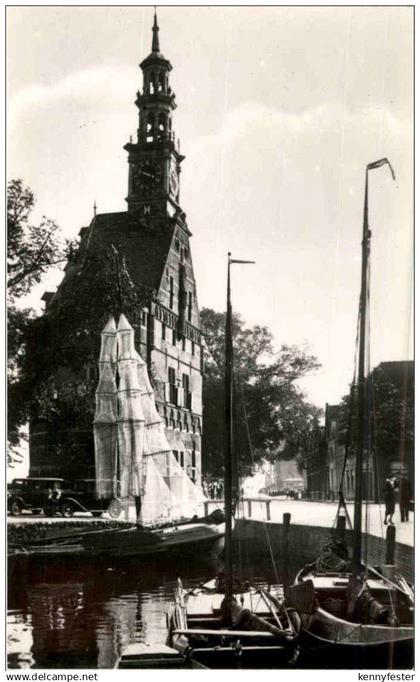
(155, 40)
(154, 160)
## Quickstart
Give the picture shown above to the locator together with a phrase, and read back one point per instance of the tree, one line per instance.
(57, 369)
(391, 416)
(389, 420)
(31, 251)
(269, 406)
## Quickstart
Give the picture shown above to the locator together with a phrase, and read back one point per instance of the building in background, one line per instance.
(284, 476)
(390, 391)
(153, 238)
(316, 464)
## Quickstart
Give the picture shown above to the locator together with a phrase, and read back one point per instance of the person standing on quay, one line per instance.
(405, 496)
(389, 498)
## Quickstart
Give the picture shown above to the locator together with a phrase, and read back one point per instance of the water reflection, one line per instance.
(83, 615)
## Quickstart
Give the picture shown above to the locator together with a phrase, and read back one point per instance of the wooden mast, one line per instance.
(228, 553)
(361, 381)
(361, 431)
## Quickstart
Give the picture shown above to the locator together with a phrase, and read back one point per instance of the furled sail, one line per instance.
(105, 421)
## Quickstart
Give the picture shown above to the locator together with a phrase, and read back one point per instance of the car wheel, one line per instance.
(16, 508)
(67, 510)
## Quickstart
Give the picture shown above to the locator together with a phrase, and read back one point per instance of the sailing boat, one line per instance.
(365, 617)
(134, 461)
(224, 623)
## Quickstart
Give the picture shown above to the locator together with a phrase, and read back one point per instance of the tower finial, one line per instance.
(155, 41)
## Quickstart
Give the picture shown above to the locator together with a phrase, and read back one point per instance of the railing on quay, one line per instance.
(246, 507)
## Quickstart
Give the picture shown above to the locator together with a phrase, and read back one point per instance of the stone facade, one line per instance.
(154, 239)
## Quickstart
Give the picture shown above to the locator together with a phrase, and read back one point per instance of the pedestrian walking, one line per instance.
(389, 497)
(404, 497)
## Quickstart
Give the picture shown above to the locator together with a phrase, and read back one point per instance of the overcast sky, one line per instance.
(279, 111)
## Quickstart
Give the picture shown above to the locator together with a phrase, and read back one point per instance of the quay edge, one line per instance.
(307, 542)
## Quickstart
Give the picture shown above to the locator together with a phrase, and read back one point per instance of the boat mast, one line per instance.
(361, 381)
(228, 553)
(357, 525)
(228, 558)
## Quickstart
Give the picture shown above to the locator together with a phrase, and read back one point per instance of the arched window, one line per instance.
(150, 133)
(161, 126)
(152, 88)
(161, 82)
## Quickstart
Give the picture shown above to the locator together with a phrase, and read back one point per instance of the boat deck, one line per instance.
(150, 656)
(208, 605)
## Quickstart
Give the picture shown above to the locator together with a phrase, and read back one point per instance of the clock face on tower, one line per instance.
(148, 176)
(174, 182)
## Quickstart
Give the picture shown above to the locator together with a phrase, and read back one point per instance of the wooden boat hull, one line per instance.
(254, 656)
(332, 641)
(132, 542)
(195, 627)
(320, 649)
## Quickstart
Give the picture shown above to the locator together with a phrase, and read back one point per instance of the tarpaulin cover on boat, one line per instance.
(147, 466)
(131, 419)
(105, 422)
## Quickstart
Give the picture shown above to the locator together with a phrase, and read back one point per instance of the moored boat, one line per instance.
(227, 623)
(350, 614)
(134, 462)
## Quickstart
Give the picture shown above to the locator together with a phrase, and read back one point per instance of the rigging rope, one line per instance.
(367, 421)
(251, 449)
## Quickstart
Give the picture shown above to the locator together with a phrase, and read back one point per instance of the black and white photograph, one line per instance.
(210, 338)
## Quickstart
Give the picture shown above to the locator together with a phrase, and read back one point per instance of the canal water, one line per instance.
(79, 614)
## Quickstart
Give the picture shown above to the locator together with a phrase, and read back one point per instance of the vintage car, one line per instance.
(31, 493)
(79, 496)
(56, 496)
